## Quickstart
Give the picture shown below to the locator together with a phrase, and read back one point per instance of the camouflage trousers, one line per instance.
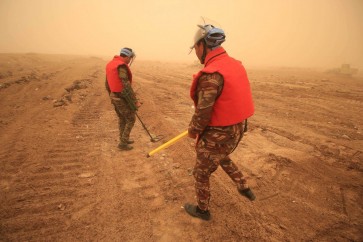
(126, 117)
(213, 149)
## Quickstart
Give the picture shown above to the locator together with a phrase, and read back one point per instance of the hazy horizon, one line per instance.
(320, 33)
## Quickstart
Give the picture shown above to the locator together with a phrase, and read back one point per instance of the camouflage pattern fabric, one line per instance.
(125, 113)
(208, 89)
(126, 117)
(215, 143)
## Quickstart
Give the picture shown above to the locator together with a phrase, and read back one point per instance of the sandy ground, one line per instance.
(63, 179)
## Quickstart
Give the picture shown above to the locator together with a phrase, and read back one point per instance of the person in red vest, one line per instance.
(118, 84)
(223, 101)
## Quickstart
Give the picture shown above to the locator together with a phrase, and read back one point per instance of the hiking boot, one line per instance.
(125, 147)
(195, 211)
(130, 141)
(247, 193)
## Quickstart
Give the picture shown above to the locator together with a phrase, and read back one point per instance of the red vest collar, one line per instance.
(119, 58)
(214, 53)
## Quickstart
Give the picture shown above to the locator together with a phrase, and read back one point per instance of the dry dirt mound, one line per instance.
(63, 179)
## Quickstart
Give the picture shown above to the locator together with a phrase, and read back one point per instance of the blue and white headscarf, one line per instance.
(127, 51)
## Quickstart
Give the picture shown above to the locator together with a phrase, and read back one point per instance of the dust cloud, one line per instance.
(311, 33)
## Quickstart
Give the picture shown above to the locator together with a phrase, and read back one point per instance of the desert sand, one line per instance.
(62, 177)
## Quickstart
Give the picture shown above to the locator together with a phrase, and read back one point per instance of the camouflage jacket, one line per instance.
(122, 73)
(209, 88)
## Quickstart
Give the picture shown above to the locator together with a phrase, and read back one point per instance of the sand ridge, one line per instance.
(63, 179)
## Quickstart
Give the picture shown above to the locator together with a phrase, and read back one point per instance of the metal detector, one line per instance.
(152, 139)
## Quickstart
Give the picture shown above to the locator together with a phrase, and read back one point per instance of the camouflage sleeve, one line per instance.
(208, 89)
(123, 75)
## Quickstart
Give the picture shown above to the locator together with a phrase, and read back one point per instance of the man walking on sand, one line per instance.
(118, 85)
(223, 101)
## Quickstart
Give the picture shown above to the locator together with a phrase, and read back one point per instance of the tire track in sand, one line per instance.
(55, 189)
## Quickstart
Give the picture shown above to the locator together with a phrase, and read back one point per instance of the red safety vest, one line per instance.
(113, 79)
(235, 103)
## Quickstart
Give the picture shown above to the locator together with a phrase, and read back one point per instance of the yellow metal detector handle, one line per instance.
(167, 144)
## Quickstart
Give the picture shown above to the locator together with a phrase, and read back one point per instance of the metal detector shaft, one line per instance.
(167, 144)
(143, 125)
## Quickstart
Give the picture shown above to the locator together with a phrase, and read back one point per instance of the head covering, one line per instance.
(213, 36)
(127, 51)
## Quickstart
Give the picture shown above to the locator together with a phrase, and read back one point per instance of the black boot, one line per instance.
(195, 211)
(247, 193)
(124, 147)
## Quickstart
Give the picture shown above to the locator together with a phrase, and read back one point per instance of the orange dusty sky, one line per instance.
(307, 33)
